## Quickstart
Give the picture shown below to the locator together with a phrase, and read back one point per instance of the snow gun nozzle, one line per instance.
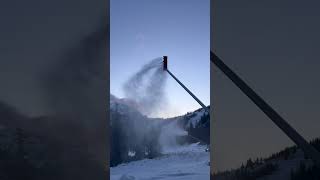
(165, 63)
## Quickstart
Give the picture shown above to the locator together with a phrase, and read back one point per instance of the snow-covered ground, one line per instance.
(189, 162)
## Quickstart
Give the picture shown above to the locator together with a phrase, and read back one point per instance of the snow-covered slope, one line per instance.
(176, 159)
(185, 162)
(195, 118)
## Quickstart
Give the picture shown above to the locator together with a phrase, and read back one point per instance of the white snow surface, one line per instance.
(189, 162)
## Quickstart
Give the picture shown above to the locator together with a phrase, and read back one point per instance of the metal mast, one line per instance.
(165, 68)
(307, 148)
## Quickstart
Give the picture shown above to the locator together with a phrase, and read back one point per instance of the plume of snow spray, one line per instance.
(167, 139)
(146, 87)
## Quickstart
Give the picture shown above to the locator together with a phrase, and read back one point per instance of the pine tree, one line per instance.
(249, 164)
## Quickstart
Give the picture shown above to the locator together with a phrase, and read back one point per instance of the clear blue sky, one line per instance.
(142, 30)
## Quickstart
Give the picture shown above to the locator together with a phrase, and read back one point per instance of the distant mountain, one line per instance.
(197, 124)
(196, 119)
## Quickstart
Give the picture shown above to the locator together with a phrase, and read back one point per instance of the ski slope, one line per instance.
(189, 162)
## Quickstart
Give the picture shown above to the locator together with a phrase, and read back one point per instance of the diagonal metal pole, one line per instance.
(194, 97)
(307, 148)
(165, 68)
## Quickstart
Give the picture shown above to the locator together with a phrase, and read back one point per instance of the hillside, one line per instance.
(172, 149)
(34, 148)
(287, 164)
(135, 136)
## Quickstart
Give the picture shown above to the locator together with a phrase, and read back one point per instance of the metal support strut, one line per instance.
(184, 87)
(307, 148)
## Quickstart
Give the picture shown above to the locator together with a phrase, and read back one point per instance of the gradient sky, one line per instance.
(142, 30)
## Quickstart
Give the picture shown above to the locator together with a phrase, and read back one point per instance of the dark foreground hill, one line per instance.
(288, 164)
(37, 148)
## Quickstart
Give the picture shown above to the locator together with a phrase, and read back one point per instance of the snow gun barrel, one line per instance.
(165, 68)
(165, 63)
